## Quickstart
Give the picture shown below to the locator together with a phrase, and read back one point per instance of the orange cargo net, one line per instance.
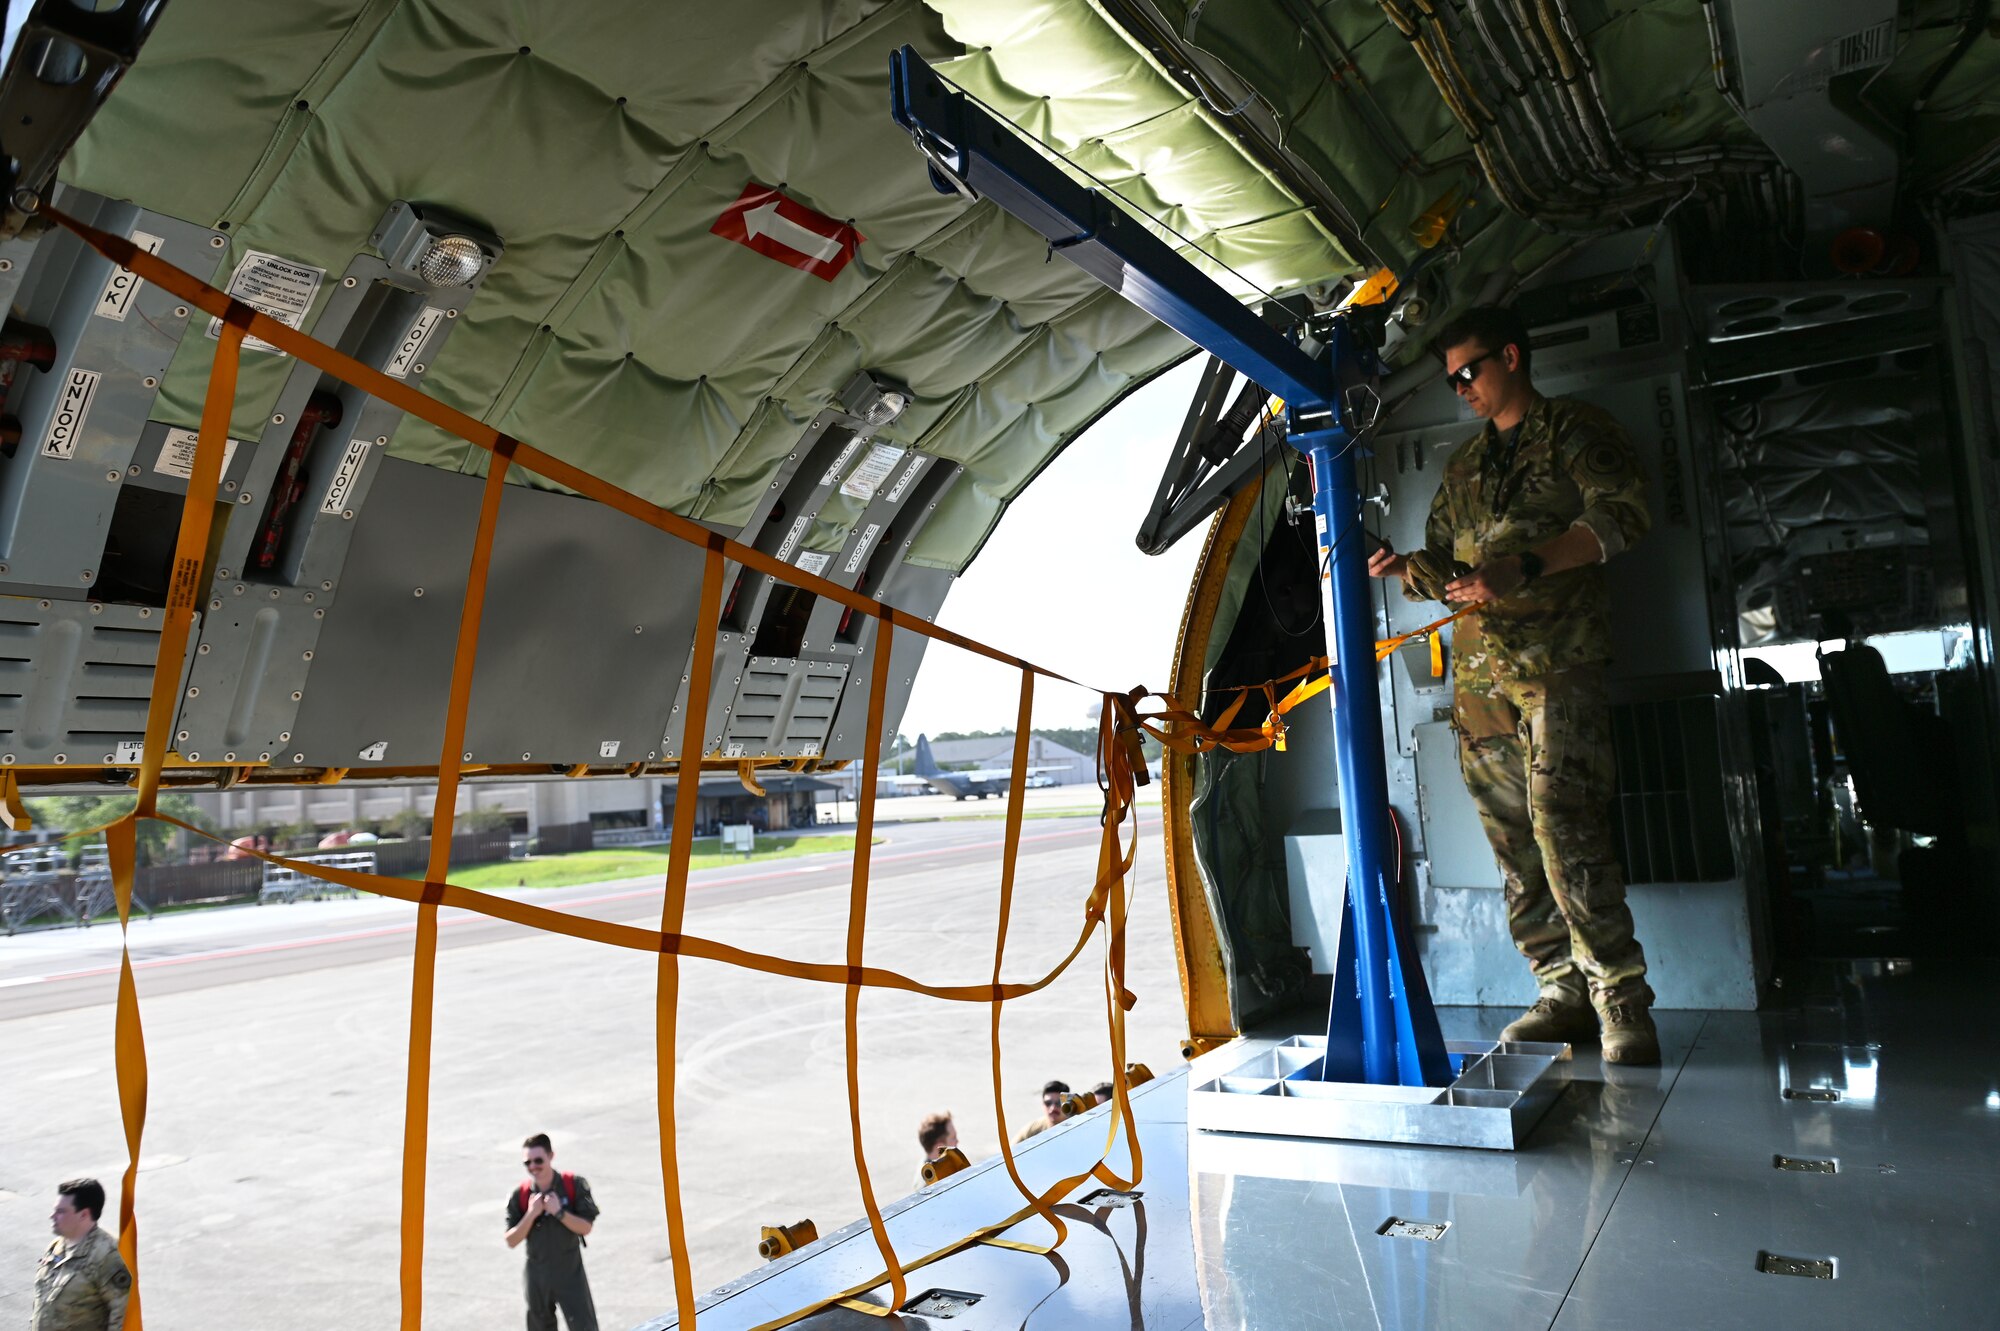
(1121, 769)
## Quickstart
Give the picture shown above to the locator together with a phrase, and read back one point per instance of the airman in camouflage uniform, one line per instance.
(82, 1283)
(1524, 518)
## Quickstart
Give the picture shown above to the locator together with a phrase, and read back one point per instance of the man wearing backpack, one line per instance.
(552, 1213)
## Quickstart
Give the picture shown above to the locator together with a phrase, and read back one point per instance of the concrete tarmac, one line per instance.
(270, 1182)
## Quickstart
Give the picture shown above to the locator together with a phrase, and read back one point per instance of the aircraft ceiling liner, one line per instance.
(621, 330)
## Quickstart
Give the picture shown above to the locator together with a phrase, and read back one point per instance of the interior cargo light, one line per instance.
(425, 246)
(450, 261)
(886, 408)
(874, 401)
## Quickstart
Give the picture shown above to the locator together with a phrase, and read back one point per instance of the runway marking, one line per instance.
(458, 917)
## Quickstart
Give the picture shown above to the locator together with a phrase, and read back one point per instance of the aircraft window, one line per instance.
(1902, 653)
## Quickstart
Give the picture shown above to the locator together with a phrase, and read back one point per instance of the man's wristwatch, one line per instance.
(1531, 566)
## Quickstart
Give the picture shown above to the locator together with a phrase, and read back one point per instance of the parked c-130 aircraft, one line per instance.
(687, 250)
(967, 783)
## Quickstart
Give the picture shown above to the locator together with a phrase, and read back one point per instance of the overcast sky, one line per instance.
(1061, 584)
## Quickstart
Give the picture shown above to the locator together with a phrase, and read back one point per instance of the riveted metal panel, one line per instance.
(585, 633)
(783, 706)
(249, 671)
(81, 420)
(829, 644)
(1460, 854)
(589, 620)
(75, 680)
(383, 665)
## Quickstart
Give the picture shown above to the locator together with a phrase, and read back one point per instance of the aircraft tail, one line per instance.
(926, 764)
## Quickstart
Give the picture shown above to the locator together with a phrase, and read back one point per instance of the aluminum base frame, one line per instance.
(1499, 1093)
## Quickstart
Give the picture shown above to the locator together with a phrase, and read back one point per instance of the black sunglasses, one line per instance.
(533, 1164)
(1463, 376)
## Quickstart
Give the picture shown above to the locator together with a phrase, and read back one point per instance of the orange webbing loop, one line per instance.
(190, 549)
(673, 914)
(129, 1043)
(1182, 731)
(690, 945)
(1388, 645)
(423, 970)
(121, 836)
(651, 940)
(1117, 778)
(10, 798)
(1009, 857)
(857, 925)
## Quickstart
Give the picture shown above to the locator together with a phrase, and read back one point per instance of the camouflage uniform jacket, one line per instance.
(81, 1286)
(1570, 465)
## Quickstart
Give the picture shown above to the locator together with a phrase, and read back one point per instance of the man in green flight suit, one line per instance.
(1525, 516)
(553, 1214)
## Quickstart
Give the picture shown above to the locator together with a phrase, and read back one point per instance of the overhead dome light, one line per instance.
(874, 401)
(451, 261)
(886, 408)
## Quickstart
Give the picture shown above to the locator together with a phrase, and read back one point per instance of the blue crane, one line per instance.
(1381, 1027)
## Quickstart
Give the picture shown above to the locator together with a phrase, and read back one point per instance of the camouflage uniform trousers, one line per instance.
(1537, 758)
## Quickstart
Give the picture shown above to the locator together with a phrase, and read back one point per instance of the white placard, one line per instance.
(79, 390)
(277, 287)
(608, 748)
(813, 561)
(123, 284)
(868, 536)
(376, 752)
(340, 493)
(129, 751)
(177, 454)
(874, 469)
(419, 332)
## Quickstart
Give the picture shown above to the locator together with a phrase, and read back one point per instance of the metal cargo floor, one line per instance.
(1644, 1199)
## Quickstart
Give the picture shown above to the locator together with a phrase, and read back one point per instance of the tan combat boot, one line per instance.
(1629, 1035)
(1554, 1019)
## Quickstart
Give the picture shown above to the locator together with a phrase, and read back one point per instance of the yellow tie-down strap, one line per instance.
(1120, 770)
(1180, 730)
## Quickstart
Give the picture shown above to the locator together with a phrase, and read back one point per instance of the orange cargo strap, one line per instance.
(1120, 769)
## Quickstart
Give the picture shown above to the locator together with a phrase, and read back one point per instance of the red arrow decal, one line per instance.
(784, 229)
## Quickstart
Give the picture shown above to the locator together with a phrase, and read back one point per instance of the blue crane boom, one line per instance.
(1381, 1027)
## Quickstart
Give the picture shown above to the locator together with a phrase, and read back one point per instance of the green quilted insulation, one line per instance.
(601, 143)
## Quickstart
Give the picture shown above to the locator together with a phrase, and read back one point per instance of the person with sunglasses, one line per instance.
(1526, 513)
(552, 1213)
